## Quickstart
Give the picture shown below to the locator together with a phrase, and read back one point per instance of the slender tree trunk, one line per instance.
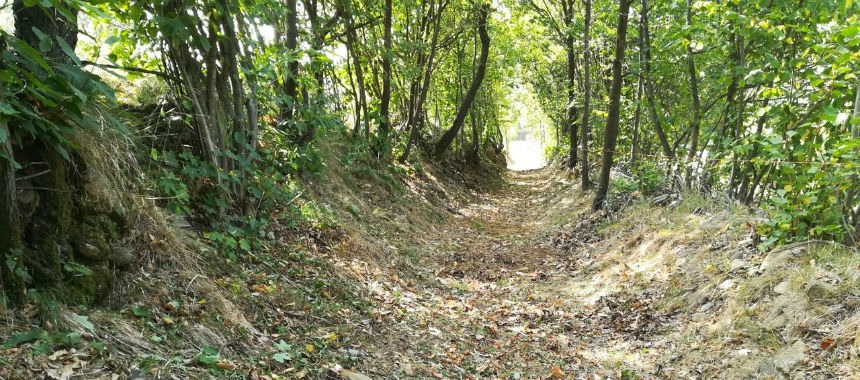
(749, 170)
(291, 84)
(634, 144)
(416, 115)
(445, 141)
(611, 137)
(385, 122)
(852, 208)
(476, 142)
(586, 112)
(649, 85)
(694, 90)
(361, 101)
(571, 98)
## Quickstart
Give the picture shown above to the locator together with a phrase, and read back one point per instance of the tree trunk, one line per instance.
(586, 112)
(611, 137)
(384, 144)
(694, 90)
(445, 141)
(749, 170)
(649, 85)
(853, 208)
(361, 100)
(10, 224)
(476, 142)
(415, 117)
(571, 98)
(49, 223)
(291, 83)
(634, 144)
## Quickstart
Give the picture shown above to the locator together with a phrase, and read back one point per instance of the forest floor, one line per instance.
(529, 284)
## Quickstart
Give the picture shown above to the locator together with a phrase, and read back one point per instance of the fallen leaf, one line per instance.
(350, 375)
(310, 347)
(259, 288)
(225, 365)
(556, 373)
(57, 355)
(827, 343)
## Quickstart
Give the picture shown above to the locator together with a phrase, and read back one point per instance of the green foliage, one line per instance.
(649, 177)
(52, 99)
(190, 186)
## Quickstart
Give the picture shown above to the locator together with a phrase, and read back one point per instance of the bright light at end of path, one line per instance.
(525, 155)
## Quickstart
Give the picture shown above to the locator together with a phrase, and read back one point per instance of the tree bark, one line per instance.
(611, 137)
(10, 223)
(586, 112)
(634, 143)
(445, 141)
(567, 10)
(649, 85)
(290, 83)
(361, 101)
(415, 118)
(694, 91)
(384, 144)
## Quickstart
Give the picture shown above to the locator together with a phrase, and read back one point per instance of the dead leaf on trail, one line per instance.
(225, 365)
(350, 375)
(556, 373)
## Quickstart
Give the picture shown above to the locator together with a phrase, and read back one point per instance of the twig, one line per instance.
(24, 178)
(129, 68)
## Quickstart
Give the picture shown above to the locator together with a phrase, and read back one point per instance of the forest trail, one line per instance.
(513, 301)
(524, 282)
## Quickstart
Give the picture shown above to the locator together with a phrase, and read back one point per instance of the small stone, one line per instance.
(782, 288)
(122, 257)
(819, 291)
(790, 357)
(737, 264)
(178, 221)
(88, 250)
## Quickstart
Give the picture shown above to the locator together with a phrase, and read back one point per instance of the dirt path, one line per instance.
(506, 304)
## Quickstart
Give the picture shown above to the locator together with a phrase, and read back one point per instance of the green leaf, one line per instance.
(208, 355)
(281, 357)
(68, 50)
(98, 346)
(111, 40)
(84, 321)
(283, 346)
(22, 338)
(44, 40)
(73, 267)
(140, 311)
(245, 245)
(830, 114)
(7, 109)
(28, 52)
